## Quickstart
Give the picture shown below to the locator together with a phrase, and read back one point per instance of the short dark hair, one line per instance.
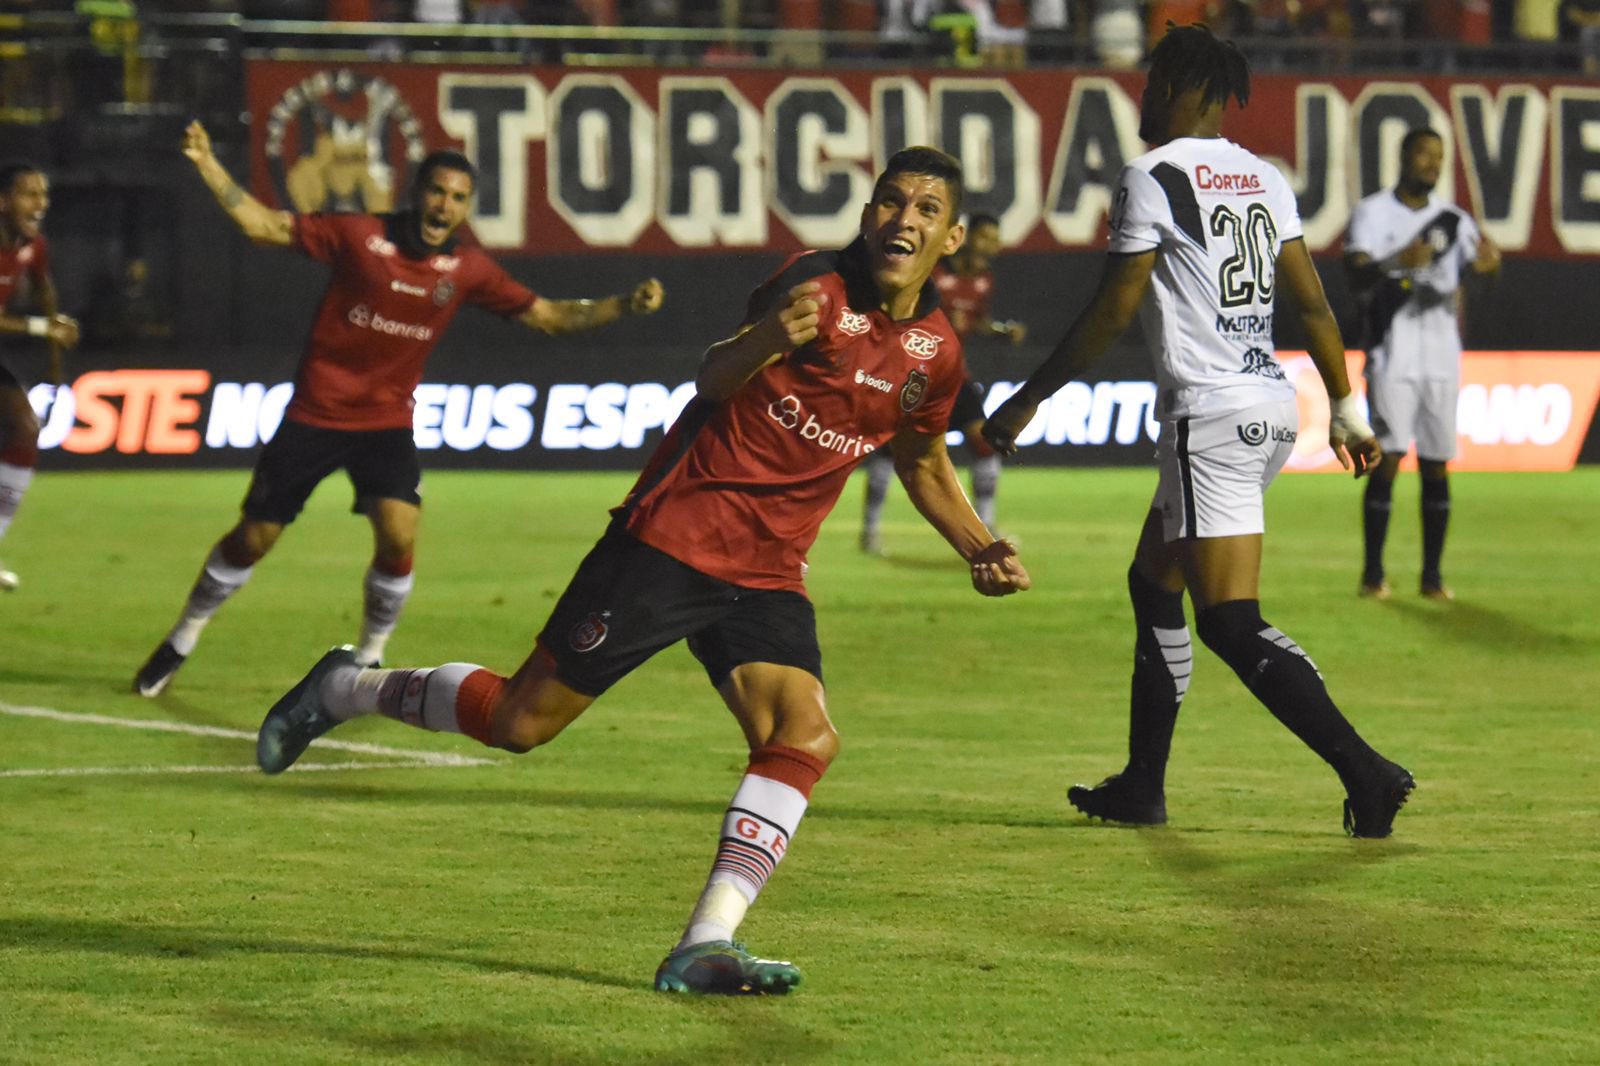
(1409, 141)
(981, 218)
(920, 159)
(10, 172)
(443, 159)
(1192, 57)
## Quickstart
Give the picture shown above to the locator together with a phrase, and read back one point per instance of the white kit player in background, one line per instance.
(1406, 254)
(1202, 233)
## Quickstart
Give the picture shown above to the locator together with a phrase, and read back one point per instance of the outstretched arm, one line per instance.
(729, 364)
(930, 480)
(1108, 315)
(576, 316)
(1349, 436)
(255, 219)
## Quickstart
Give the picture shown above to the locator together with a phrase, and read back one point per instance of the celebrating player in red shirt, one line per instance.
(840, 353)
(966, 289)
(24, 281)
(397, 282)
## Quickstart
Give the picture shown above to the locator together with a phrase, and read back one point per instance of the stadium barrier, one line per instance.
(1517, 411)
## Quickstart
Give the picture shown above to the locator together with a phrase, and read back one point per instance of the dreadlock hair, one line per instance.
(1409, 141)
(1192, 57)
(920, 159)
(10, 172)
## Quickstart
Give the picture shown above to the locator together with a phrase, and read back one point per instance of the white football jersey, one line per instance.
(1218, 216)
(1412, 332)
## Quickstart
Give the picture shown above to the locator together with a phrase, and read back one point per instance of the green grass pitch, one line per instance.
(162, 902)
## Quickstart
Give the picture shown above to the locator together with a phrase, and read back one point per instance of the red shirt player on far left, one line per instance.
(26, 289)
(398, 280)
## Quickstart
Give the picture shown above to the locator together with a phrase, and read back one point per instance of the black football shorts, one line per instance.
(382, 464)
(628, 601)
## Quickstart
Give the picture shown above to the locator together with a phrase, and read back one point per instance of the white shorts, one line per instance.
(1215, 470)
(1424, 411)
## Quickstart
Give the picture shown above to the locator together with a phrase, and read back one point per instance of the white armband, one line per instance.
(38, 326)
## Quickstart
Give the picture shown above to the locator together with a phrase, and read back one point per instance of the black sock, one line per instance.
(1283, 678)
(1162, 661)
(1435, 519)
(1376, 503)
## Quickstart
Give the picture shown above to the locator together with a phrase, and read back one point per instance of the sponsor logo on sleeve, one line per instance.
(920, 344)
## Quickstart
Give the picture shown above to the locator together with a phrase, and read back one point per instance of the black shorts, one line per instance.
(969, 406)
(628, 601)
(382, 464)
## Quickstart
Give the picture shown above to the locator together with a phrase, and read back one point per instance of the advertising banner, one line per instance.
(1517, 411)
(692, 161)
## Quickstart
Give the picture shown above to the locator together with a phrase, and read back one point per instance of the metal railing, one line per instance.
(59, 65)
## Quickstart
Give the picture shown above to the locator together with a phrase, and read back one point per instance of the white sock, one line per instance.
(423, 698)
(383, 596)
(756, 830)
(879, 473)
(14, 482)
(985, 483)
(351, 691)
(218, 580)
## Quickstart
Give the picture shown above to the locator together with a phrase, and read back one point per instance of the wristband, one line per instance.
(38, 326)
(1344, 418)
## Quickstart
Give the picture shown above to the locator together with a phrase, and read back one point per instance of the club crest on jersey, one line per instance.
(919, 344)
(443, 291)
(1259, 361)
(915, 388)
(590, 633)
(853, 322)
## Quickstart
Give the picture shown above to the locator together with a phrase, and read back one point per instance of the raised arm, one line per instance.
(1110, 312)
(255, 220)
(730, 363)
(576, 316)
(931, 483)
(1349, 436)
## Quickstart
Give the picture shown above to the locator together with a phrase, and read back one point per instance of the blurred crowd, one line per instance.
(1113, 32)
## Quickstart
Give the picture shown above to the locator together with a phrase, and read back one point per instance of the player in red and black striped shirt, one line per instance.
(27, 309)
(840, 354)
(398, 280)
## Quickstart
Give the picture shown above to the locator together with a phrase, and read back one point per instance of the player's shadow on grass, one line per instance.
(177, 942)
(295, 788)
(1464, 620)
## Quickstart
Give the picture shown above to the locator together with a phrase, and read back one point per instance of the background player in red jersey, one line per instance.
(27, 309)
(398, 280)
(966, 290)
(840, 353)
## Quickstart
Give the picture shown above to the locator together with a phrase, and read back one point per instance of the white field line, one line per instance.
(407, 757)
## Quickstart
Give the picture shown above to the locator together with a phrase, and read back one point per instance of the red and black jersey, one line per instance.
(739, 488)
(23, 269)
(384, 310)
(965, 297)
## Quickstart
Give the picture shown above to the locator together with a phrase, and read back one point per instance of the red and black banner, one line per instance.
(690, 161)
